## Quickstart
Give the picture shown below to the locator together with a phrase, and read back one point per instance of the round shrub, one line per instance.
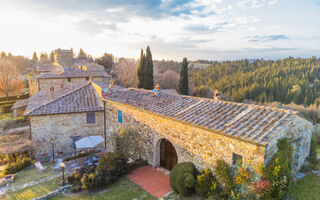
(182, 178)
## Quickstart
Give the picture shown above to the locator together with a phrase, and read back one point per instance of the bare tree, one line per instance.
(168, 80)
(125, 72)
(9, 77)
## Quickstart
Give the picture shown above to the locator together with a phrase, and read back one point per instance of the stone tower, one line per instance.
(63, 57)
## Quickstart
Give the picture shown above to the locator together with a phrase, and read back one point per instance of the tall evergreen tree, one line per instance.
(52, 57)
(148, 71)
(35, 57)
(3, 54)
(184, 82)
(140, 70)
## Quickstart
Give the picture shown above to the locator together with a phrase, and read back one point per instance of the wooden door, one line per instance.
(168, 155)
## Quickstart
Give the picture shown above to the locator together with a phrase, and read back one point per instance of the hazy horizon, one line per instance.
(196, 29)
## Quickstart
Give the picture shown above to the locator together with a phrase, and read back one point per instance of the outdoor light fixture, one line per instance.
(52, 143)
(62, 165)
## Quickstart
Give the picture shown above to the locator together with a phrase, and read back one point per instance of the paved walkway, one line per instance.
(152, 180)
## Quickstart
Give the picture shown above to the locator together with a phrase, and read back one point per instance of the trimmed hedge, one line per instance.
(183, 178)
(15, 167)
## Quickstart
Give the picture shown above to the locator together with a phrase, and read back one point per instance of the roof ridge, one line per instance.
(224, 101)
(55, 99)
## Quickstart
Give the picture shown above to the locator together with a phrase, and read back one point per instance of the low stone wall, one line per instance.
(54, 193)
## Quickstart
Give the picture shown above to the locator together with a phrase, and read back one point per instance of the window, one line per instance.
(69, 79)
(236, 159)
(87, 78)
(119, 116)
(91, 118)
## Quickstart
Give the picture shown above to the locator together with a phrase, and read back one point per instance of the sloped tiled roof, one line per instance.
(73, 73)
(45, 67)
(70, 99)
(247, 122)
(20, 104)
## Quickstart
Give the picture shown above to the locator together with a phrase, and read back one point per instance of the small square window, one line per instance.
(119, 116)
(69, 79)
(91, 118)
(87, 78)
(236, 159)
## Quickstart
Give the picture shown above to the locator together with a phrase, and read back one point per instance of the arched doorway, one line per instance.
(168, 154)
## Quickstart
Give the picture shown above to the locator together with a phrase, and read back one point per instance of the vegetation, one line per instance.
(306, 188)
(184, 81)
(13, 157)
(17, 166)
(123, 188)
(206, 184)
(106, 60)
(182, 178)
(223, 174)
(145, 70)
(80, 155)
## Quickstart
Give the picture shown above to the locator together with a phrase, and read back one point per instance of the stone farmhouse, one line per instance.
(169, 128)
(66, 70)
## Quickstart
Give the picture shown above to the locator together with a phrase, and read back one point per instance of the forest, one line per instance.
(288, 80)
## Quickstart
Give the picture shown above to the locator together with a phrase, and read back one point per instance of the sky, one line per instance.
(196, 29)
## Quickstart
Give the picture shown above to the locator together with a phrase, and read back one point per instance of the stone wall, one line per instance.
(299, 130)
(59, 128)
(33, 86)
(63, 58)
(195, 144)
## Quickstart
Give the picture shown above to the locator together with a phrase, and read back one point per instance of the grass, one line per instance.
(307, 188)
(33, 174)
(34, 191)
(123, 189)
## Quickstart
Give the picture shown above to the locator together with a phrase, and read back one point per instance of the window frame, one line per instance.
(91, 117)
(69, 79)
(120, 116)
(236, 157)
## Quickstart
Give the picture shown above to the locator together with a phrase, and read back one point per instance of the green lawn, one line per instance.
(34, 191)
(307, 188)
(33, 174)
(123, 189)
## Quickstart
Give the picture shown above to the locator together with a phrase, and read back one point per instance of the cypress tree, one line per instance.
(184, 82)
(140, 70)
(148, 71)
(35, 57)
(52, 57)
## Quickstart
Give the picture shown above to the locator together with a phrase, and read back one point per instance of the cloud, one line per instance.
(93, 27)
(267, 38)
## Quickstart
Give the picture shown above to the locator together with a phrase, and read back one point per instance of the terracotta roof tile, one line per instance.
(70, 99)
(244, 121)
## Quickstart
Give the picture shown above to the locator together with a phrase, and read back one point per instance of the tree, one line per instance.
(148, 71)
(9, 81)
(184, 82)
(107, 60)
(52, 57)
(82, 54)
(140, 70)
(3, 54)
(168, 80)
(34, 56)
(125, 72)
(44, 57)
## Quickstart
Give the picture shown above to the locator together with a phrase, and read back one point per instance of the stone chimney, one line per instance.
(52, 92)
(216, 95)
(157, 89)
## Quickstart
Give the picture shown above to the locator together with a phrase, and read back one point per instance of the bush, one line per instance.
(111, 167)
(13, 157)
(79, 178)
(182, 178)
(312, 159)
(223, 173)
(15, 167)
(279, 171)
(206, 183)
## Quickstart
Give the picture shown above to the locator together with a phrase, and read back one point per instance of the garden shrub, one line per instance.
(77, 179)
(279, 171)
(182, 178)
(13, 157)
(223, 173)
(206, 183)
(111, 166)
(312, 159)
(15, 167)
